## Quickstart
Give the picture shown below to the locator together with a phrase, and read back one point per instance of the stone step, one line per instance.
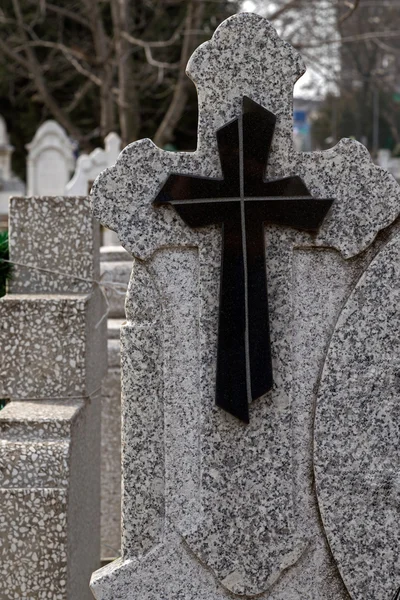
(26, 464)
(113, 328)
(114, 254)
(40, 420)
(113, 353)
(116, 273)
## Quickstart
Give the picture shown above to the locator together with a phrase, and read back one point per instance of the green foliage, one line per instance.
(5, 268)
(5, 273)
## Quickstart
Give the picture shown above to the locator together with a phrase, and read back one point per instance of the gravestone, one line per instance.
(50, 161)
(392, 164)
(6, 151)
(9, 184)
(115, 268)
(260, 422)
(52, 363)
(88, 167)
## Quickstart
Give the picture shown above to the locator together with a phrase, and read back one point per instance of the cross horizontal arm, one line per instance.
(302, 212)
(282, 186)
(189, 187)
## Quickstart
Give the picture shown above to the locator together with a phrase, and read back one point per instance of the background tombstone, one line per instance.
(52, 362)
(88, 167)
(116, 265)
(115, 268)
(50, 161)
(296, 504)
(388, 162)
(9, 184)
(5, 152)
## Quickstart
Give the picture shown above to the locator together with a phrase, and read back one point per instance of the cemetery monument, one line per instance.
(260, 357)
(52, 365)
(50, 161)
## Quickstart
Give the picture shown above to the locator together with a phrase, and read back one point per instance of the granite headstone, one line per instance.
(303, 501)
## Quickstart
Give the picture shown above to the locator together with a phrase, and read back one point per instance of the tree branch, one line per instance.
(103, 48)
(56, 45)
(157, 63)
(14, 56)
(37, 74)
(179, 97)
(79, 95)
(161, 44)
(69, 14)
(352, 9)
(280, 11)
(354, 38)
(81, 69)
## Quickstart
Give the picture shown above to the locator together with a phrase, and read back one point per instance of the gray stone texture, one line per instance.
(73, 249)
(114, 328)
(111, 455)
(115, 268)
(50, 497)
(212, 506)
(53, 359)
(116, 272)
(114, 254)
(50, 345)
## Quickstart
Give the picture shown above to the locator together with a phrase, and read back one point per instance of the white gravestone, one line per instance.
(5, 152)
(52, 363)
(303, 501)
(88, 167)
(388, 162)
(9, 184)
(50, 161)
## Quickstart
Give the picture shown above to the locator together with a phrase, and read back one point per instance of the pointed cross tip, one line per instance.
(239, 412)
(324, 205)
(249, 106)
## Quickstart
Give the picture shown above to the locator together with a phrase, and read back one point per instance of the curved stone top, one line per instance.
(4, 141)
(245, 57)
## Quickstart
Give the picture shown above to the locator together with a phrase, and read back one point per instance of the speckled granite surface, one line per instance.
(50, 346)
(357, 463)
(212, 506)
(73, 249)
(52, 361)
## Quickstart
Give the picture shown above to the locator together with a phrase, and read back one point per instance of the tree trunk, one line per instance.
(102, 46)
(128, 102)
(176, 108)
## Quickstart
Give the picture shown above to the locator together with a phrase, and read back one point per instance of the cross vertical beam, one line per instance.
(241, 202)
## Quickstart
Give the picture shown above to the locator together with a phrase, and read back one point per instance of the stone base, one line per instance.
(49, 499)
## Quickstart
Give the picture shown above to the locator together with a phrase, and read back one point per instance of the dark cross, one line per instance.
(241, 202)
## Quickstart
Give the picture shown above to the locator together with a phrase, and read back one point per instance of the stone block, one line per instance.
(50, 345)
(111, 464)
(114, 328)
(116, 272)
(295, 497)
(34, 546)
(50, 160)
(114, 254)
(49, 499)
(114, 354)
(56, 233)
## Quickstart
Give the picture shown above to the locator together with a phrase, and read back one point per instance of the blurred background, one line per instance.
(101, 66)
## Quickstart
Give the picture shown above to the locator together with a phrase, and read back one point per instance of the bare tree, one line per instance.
(124, 58)
(102, 65)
